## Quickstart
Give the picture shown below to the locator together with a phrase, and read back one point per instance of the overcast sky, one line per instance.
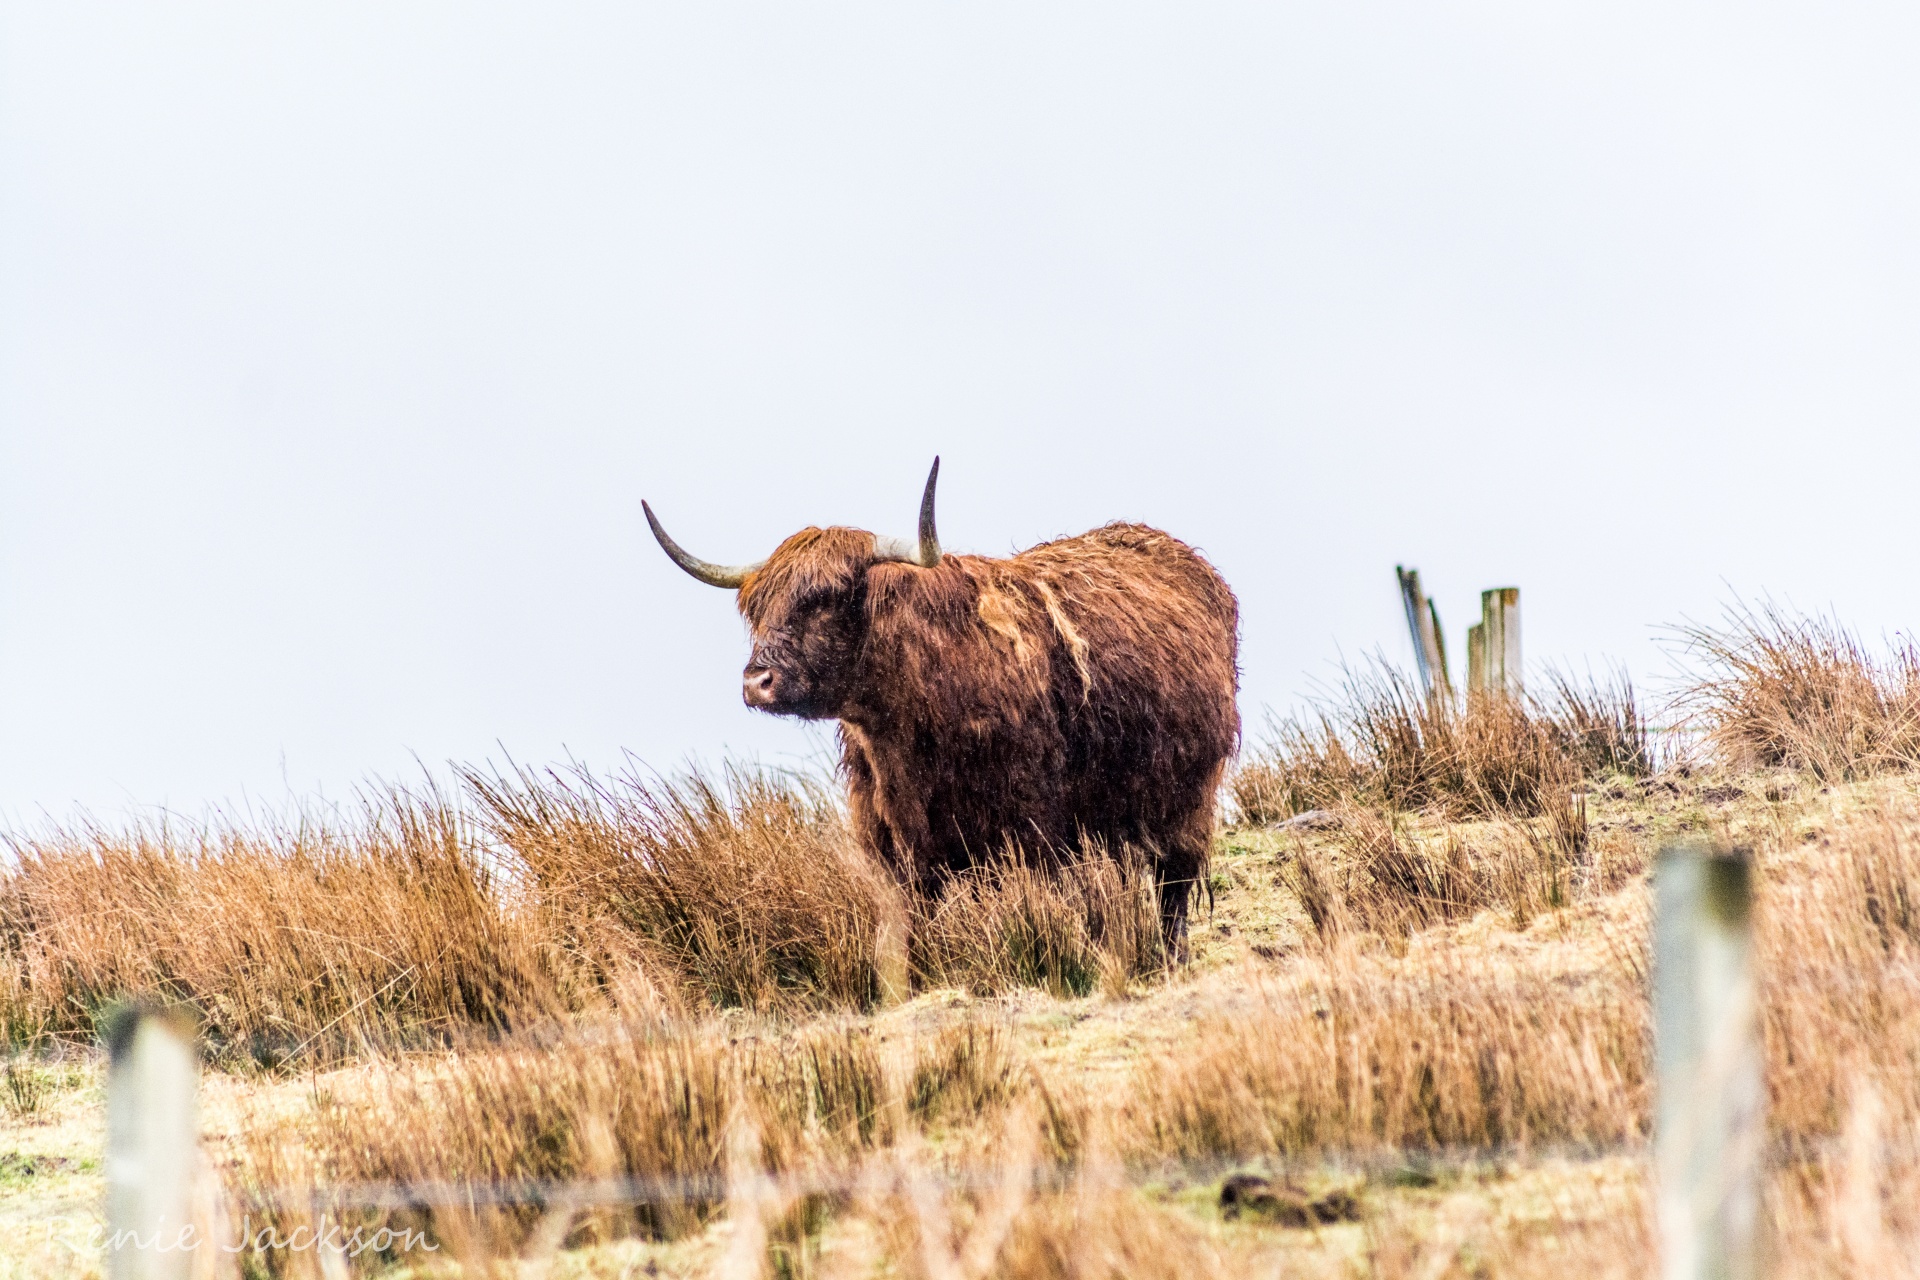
(339, 344)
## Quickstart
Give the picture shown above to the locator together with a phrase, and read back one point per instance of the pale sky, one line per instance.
(339, 343)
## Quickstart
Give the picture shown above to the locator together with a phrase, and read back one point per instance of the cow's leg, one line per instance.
(1178, 878)
(1186, 858)
(869, 828)
(889, 814)
(909, 836)
(913, 836)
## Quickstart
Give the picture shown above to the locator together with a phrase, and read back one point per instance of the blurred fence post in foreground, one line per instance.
(1711, 1128)
(151, 1152)
(1423, 624)
(1493, 644)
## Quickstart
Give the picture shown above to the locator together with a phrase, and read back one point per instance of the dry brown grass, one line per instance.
(1444, 1045)
(1362, 1054)
(1428, 1024)
(1839, 951)
(1106, 1233)
(1839, 930)
(1087, 924)
(907, 1222)
(657, 1110)
(1380, 876)
(1595, 1232)
(1850, 1208)
(742, 892)
(294, 943)
(1383, 743)
(1598, 723)
(417, 919)
(1776, 689)
(641, 1102)
(679, 984)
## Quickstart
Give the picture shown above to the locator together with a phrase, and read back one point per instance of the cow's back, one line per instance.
(1083, 687)
(1145, 676)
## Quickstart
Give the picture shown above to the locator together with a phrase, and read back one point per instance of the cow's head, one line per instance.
(807, 606)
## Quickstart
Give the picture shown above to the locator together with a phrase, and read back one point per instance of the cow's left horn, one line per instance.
(926, 553)
(714, 575)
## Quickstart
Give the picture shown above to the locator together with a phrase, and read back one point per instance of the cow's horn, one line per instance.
(925, 553)
(714, 575)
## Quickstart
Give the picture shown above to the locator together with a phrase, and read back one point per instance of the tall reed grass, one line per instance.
(1377, 876)
(1839, 932)
(1071, 928)
(423, 918)
(914, 1142)
(1776, 689)
(660, 1108)
(1358, 1054)
(1382, 742)
(294, 943)
(745, 891)
(1442, 1044)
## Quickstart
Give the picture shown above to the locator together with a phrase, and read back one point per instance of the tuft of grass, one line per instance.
(1356, 1055)
(644, 1102)
(1781, 690)
(1101, 1233)
(743, 892)
(1379, 879)
(419, 920)
(1071, 928)
(667, 1107)
(1839, 934)
(1376, 875)
(28, 1088)
(968, 1070)
(1597, 724)
(1382, 742)
(751, 893)
(297, 944)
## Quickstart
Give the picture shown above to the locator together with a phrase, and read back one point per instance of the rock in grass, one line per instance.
(1311, 820)
(1284, 1204)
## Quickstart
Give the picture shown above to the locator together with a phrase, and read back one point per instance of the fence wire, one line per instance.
(1413, 1167)
(1417, 1167)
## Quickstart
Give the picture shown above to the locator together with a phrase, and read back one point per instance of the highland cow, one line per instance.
(1080, 691)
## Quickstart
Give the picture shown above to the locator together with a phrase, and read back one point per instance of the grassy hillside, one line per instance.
(686, 1028)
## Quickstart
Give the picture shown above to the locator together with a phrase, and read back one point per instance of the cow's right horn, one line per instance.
(714, 575)
(926, 551)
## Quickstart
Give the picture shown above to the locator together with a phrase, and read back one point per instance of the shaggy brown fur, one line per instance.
(1083, 689)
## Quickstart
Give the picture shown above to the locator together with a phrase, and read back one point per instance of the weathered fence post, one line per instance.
(1493, 644)
(1711, 1127)
(1423, 624)
(151, 1152)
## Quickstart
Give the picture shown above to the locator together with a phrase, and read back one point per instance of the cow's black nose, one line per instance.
(759, 687)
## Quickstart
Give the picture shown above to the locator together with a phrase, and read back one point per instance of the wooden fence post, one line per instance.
(1710, 1137)
(1439, 646)
(151, 1147)
(1493, 644)
(1423, 624)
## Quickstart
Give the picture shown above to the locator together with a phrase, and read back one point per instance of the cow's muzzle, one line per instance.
(759, 685)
